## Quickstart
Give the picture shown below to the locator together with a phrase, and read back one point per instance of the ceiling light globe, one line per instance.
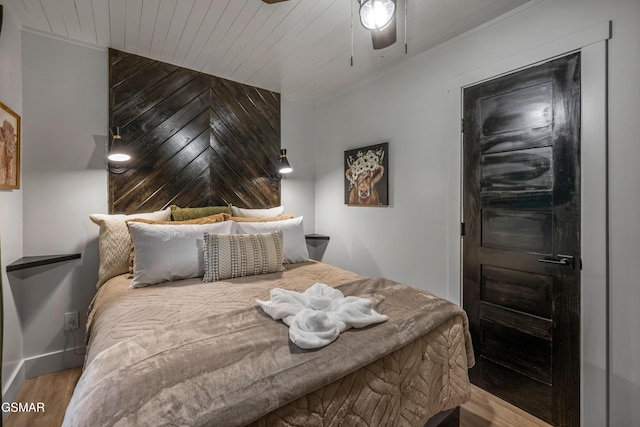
(376, 14)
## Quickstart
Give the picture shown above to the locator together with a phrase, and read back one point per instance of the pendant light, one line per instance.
(117, 154)
(284, 166)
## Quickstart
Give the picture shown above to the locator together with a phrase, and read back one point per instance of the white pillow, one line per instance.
(170, 252)
(114, 241)
(257, 213)
(295, 245)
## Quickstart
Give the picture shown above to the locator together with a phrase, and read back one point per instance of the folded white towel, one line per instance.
(317, 316)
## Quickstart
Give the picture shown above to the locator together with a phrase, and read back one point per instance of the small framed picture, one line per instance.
(9, 148)
(366, 173)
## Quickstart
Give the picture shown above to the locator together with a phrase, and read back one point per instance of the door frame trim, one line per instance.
(594, 354)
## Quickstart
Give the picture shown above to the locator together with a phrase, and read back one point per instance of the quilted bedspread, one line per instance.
(204, 354)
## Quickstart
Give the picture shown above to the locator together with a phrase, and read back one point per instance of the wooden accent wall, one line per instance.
(195, 139)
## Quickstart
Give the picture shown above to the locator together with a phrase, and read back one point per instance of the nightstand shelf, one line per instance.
(317, 244)
(37, 261)
(315, 236)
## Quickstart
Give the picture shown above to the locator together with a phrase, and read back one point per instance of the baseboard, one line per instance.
(52, 362)
(10, 392)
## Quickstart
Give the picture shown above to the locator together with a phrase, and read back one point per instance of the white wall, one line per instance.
(65, 95)
(624, 213)
(297, 126)
(408, 241)
(11, 213)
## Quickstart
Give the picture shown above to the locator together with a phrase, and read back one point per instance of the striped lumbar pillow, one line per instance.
(237, 255)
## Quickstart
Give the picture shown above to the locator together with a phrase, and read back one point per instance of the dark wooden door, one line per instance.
(521, 271)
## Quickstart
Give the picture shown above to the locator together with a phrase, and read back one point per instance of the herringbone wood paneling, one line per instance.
(195, 139)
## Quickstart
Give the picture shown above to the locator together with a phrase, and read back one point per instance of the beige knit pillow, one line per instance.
(114, 241)
(227, 256)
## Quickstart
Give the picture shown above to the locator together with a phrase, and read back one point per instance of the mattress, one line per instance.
(199, 354)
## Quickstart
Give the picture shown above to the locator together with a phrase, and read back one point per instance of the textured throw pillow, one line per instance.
(170, 252)
(257, 213)
(295, 245)
(114, 242)
(239, 255)
(183, 214)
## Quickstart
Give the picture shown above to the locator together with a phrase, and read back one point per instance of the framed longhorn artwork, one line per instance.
(366, 176)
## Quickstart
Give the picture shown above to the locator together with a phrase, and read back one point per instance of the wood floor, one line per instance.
(55, 390)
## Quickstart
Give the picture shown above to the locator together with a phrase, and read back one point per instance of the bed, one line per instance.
(194, 353)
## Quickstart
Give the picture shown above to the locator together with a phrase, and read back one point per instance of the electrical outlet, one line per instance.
(71, 321)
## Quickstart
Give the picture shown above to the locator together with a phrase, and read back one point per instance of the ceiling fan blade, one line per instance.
(386, 37)
(273, 1)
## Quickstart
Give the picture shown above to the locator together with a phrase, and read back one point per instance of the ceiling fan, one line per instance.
(377, 16)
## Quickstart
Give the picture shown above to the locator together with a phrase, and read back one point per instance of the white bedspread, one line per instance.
(320, 314)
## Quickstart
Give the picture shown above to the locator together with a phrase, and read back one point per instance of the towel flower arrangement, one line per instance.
(317, 316)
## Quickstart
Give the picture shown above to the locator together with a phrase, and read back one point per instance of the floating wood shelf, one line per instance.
(315, 236)
(37, 261)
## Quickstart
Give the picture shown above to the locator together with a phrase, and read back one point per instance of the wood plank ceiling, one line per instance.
(299, 48)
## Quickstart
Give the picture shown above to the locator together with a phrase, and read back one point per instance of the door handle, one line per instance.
(562, 260)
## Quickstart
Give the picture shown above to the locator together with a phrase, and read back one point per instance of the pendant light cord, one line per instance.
(405, 26)
(352, 33)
